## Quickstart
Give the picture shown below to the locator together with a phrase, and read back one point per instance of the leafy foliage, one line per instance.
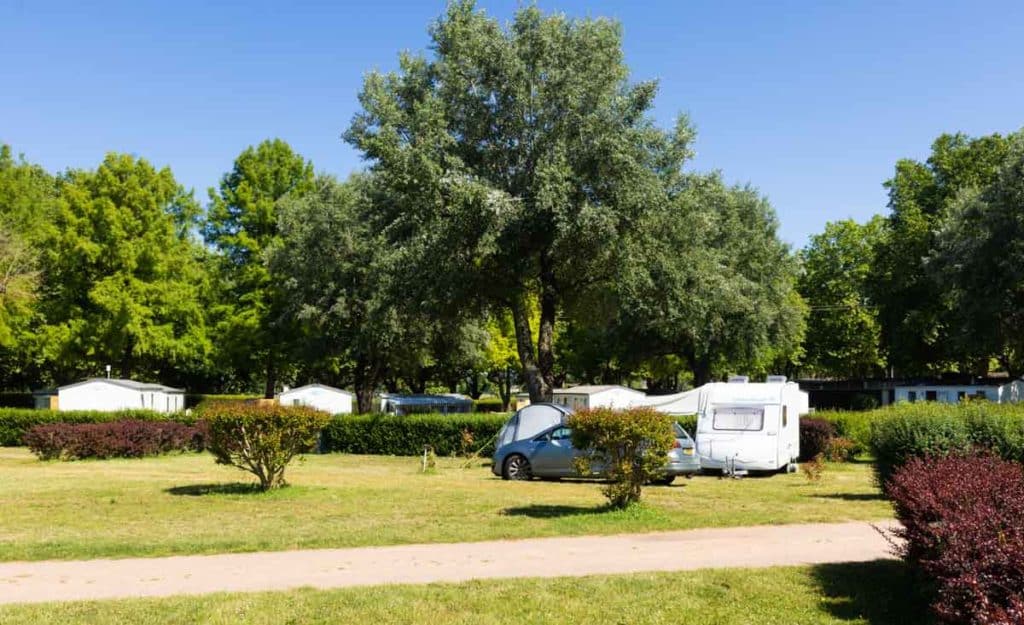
(963, 527)
(130, 438)
(261, 439)
(242, 224)
(448, 435)
(978, 253)
(123, 280)
(629, 447)
(843, 331)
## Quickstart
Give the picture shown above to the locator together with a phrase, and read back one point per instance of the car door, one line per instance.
(554, 454)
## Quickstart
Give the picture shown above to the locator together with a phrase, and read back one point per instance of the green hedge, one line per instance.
(14, 422)
(449, 435)
(487, 404)
(194, 399)
(930, 429)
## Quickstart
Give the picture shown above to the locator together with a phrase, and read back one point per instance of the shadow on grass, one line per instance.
(881, 592)
(199, 490)
(854, 496)
(544, 511)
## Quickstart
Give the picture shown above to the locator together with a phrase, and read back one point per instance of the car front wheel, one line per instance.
(516, 467)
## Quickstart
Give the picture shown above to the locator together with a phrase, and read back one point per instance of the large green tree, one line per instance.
(26, 204)
(913, 306)
(331, 269)
(512, 166)
(122, 280)
(242, 224)
(712, 284)
(979, 260)
(843, 331)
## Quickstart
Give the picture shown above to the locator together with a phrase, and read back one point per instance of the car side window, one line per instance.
(561, 434)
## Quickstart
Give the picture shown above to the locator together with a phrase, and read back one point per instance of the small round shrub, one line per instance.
(629, 447)
(261, 439)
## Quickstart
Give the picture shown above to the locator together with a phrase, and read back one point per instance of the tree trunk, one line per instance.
(701, 370)
(365, 377)
(524, 345)
(546, 335)
(271, 381)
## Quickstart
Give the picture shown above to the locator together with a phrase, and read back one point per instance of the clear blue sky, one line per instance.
(812, 102)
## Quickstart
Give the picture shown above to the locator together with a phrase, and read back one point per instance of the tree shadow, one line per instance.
(199, 490)
(854, 496)
(881, 592)
(545, 511)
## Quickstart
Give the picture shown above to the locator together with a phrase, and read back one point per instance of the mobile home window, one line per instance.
(912, 396)
(738, 418)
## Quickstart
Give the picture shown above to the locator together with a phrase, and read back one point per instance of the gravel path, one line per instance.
(31, 582)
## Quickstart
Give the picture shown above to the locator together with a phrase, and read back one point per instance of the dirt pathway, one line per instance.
(31, 582)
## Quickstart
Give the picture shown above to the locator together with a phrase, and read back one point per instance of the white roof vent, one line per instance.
(739, 379)
(776, 379)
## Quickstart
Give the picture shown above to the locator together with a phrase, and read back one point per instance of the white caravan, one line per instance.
(742, 425)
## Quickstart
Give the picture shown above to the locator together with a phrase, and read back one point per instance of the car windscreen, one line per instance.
(738, 418)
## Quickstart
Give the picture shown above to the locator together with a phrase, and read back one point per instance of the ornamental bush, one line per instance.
(815, 438)
(629, 447)
(261, 439)
(963, 527)
(392, 435)
(130, 438)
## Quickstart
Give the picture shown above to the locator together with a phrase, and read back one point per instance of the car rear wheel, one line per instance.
(516, 467)
(664, 481)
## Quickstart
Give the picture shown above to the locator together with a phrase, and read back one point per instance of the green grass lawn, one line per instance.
(186, 504)
(875, 593)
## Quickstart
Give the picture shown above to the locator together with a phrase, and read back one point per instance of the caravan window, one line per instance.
(741, 418)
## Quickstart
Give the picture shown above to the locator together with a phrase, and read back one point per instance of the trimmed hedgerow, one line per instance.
(192, 400)
(449, 435)
(261, 439)
(15, 422)
(130, 438)
(815, 438)
(487, 404)
(963, 526)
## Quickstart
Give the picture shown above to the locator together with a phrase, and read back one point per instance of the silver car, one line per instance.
(550, 455)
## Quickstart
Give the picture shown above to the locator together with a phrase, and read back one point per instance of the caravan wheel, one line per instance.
(517, 467)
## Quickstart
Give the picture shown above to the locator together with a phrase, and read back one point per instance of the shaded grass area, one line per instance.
(186, 504)
(873, 593)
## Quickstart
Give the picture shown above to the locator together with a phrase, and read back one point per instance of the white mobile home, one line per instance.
(107, 395)
(606, 396)
(1001, 391)
(326, 398)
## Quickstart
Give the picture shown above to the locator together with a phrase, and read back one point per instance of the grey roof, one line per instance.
(323, 386)
(426, 400)
(593, 389)
(132, 384)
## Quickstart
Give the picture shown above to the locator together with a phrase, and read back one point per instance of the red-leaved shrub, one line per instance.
(963, 526)
(815, 438)
(114, 439)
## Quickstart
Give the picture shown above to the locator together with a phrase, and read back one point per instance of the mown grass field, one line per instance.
(186, 504)
(873, 593)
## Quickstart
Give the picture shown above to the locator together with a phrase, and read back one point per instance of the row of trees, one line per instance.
(522, 221)
(937, 285)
